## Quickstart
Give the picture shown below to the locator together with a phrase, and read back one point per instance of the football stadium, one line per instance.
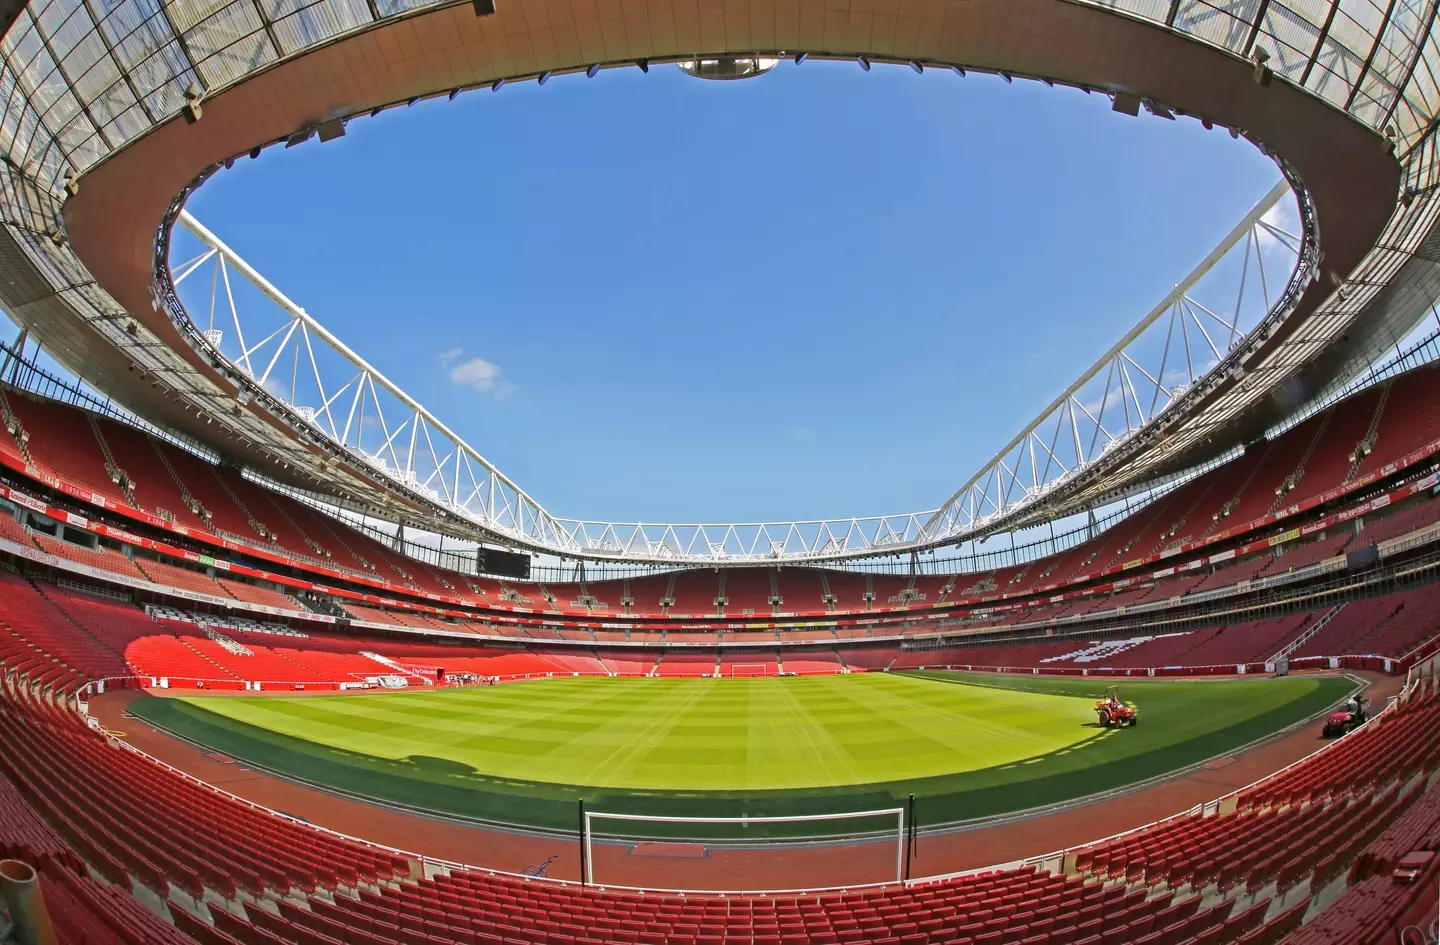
(286, 659)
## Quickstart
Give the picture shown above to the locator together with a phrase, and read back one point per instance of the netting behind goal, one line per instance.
(750, 669)
(732, 854)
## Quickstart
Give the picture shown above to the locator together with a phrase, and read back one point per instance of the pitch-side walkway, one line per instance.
(959, 850)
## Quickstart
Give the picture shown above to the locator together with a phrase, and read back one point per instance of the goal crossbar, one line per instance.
(792, 818)
(899, 813)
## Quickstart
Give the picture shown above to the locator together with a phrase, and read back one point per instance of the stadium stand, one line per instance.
(1232, 877)
(164, 829)
(156, 488)
(174, 576)
(1320, 454)
(812, 662)
(749, 591)
(59, 637)
(99, 556)
(748, 664)
(683, 663)
(76, 455)
(257, 595)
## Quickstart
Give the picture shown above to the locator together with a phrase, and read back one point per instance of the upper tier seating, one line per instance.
(1352, 439)
(75, 455)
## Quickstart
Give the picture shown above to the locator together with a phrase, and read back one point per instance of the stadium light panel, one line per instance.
(864, 63)
(644, 65)
(1126, 104)
(958, 71)
(801, 57)
(919, 69)
(544, 77)
(497, 85)
(594, 69)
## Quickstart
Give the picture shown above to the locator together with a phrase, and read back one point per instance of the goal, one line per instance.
(750, 669)
(744, 854)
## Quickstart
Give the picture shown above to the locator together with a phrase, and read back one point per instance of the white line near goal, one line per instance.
(587, 838)
(763, 667)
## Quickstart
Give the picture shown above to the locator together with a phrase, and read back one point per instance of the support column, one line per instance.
(20, 886)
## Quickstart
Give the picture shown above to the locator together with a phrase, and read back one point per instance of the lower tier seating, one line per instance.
(282, 881)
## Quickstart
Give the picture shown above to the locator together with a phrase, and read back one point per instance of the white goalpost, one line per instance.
(731, 837)
(750, 669)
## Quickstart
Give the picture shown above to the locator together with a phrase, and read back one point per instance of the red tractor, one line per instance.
(1113, 712)
(1346, 719)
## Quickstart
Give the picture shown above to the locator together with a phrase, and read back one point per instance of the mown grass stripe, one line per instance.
(968, 746)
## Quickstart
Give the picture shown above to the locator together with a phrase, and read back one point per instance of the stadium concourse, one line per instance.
(106, 588)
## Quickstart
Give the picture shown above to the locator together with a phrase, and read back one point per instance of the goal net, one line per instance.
(750, 669)
(744, 854)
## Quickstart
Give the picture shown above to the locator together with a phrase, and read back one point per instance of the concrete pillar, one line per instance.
(20, 886)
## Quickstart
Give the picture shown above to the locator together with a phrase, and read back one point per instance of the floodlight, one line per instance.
(330, 130)
(801, 57)
(644, 65)
(1006, 77)
(917, 67)
(497, 85)
(1262, 75)
(544, 77)
(453, 92)
(958, 71)
(592, 71)
(192, 108)
(864, 63)
(727, 67)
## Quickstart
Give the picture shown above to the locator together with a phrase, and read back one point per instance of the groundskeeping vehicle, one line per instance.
(1112, 712)
(1350, 716)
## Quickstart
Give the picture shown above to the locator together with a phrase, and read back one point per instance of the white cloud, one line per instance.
(481, 376)
(277, 388)
(1284, 216)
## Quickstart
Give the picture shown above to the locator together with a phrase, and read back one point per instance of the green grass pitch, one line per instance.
(967, 745)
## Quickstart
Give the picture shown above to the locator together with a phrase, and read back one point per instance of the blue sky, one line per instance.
(819, 293)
